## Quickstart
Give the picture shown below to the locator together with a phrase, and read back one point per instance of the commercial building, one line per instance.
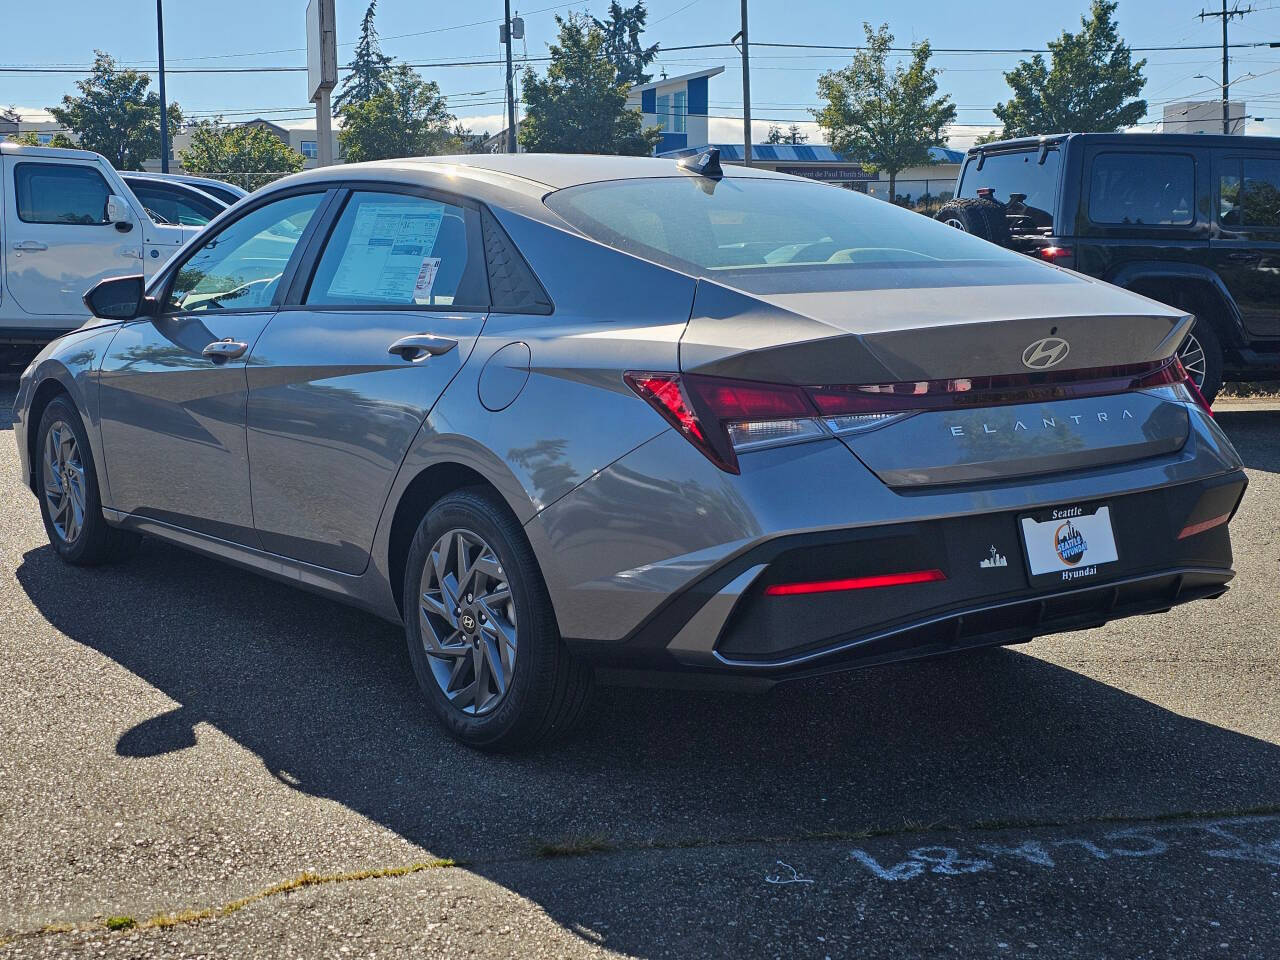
(1203, 116)
(677, 106)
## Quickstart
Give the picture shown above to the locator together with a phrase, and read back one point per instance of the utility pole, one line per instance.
(511, 98)
(164, 104)
(1226, 16)
(746, 87)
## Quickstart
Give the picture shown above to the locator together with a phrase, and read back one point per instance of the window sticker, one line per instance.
(387, 251)
(426, 280)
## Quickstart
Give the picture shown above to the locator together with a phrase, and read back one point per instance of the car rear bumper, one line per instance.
(728, 622)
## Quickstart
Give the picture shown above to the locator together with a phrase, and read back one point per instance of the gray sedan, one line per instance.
(554, 412)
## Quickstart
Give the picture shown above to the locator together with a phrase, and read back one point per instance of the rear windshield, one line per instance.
(1019, 180)
(740, 226)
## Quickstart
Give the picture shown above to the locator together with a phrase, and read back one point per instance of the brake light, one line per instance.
(1055, 254)
(724, 417)
(854, 583)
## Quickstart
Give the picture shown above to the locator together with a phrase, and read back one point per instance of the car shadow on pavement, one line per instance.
(1255, 435)
(324, 696)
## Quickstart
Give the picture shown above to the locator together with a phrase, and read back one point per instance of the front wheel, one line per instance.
(481, 632)
(67, 484)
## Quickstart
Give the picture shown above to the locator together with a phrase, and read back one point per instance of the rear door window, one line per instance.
(60, 193)
(1249, 192)
(1020, 181)
(1152, 189)
(391, 249)
(175, 206)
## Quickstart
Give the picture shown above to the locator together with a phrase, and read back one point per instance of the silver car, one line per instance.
(557, 412)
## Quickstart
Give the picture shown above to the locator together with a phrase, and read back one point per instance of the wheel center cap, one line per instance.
(468, 622)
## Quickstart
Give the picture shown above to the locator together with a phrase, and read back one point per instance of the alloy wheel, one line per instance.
(468, 620)
(1192, 356)
(955, 222)
(64, 480)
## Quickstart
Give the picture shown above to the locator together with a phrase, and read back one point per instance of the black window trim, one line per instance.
(305, 271)
(178, 192)
(1240, 231)
(74, 165)
(1194, 223)
(163, 283)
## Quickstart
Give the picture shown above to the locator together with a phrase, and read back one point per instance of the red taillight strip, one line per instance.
(855, 583)
(992, 391)
(1191, 529)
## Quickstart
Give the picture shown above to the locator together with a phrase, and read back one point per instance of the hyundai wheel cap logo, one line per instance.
(1046, 352)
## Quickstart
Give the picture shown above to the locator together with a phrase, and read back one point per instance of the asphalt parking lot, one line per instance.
(220, 765)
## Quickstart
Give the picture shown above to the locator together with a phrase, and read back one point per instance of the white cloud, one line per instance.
(32, 114)
(492, 122)
(721, 130)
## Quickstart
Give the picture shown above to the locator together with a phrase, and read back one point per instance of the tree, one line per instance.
(888, 120)
(408, 119)
(580, 106)
(367, 71)
(794, 135)
(115, 116)
(622, 31)
(1089, 85)
(246, 155)
(32, 139)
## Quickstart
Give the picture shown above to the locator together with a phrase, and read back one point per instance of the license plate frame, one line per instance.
(1052, 537)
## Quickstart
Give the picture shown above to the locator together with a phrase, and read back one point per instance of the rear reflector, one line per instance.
(854, 583)
(1191, 529)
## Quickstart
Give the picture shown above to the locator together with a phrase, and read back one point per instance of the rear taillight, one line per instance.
(1185, 378)
(1061, 256)
(724, 417)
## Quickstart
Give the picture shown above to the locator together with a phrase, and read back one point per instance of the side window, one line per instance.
(1249, 193)
(175, 206)
(1142, 188)
(391, 249)
(240, 266)
(60, 193)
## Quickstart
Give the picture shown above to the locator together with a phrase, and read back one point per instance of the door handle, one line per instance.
(30, 245)
(1244, 257)
(421, 345)
(220, 351)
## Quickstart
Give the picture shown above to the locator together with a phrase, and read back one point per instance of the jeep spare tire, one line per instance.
(983, 218)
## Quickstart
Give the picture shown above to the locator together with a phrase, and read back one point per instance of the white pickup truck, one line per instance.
(67, 220)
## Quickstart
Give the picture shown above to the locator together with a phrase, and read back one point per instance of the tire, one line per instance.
(67, 486)
(1201, 355)
(489, 694)
(980, 217)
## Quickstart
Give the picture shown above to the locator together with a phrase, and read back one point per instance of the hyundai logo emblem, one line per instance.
(1045, 352)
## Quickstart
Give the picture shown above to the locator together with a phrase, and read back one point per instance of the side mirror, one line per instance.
(118, 298)
(118, 213)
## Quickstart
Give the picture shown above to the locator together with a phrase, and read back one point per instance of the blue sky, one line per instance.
(241, 33)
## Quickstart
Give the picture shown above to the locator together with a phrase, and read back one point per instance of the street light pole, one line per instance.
(164, 105)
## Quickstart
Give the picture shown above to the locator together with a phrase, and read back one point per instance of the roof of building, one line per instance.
(681, 78)
(801, 153)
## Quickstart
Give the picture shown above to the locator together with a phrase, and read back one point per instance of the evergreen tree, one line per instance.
(367, 72)
(622, 29)
(1088, 86)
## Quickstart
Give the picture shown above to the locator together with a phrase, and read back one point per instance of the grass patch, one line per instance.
(574, 847)
(305, 879)
(120, 923)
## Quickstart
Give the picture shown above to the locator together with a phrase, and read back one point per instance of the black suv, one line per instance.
(1189, 220)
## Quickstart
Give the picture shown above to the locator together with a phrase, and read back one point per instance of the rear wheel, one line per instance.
(67, 482)
(481, 632)
(1201, 356)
